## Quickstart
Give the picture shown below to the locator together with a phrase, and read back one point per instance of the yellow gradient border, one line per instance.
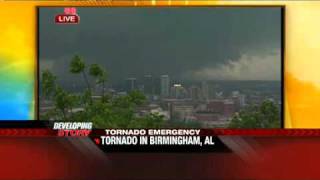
(302, 51)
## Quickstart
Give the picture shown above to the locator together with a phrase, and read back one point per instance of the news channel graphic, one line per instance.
(162, 67)
(69, 16)
(143, 140)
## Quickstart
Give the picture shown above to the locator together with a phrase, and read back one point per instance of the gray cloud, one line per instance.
(174, 41)
(247, 67)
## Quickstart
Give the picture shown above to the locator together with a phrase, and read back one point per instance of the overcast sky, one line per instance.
(225, 43)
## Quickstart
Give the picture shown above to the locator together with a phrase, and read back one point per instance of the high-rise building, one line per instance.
(165, 85)
(239, 99)
(148, 84)
(195, 93)
(242, 98)
(205, 90)
(131, 84)
(156, 85)
(178, 91)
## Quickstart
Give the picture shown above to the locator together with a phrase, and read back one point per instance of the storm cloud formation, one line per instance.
(226, 43)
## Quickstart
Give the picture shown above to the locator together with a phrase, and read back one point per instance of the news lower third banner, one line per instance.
(144, 140)
(158, 140)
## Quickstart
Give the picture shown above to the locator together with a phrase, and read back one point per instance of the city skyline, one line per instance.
(188, 66)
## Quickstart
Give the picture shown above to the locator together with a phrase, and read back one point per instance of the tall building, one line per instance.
(156, 85)
(195, 93)
(239, 99)
(177, 91)
(148, 84)
(131, 84)
(205, 90)
(165, 85)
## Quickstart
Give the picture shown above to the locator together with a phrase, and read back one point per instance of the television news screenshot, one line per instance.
(159, 89)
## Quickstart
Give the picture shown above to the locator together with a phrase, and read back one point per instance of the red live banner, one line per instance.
(67, 19)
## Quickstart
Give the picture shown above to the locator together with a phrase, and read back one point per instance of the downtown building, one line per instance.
(148, 85)
(164, 86)
(131, 84)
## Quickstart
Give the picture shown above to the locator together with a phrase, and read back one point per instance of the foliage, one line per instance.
(48, 83)
(64, 102)
(264, 116)
(98, 72)
(77, 65)
(115, 111)
(110, 111)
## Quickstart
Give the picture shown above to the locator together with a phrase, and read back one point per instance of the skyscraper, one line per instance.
(165, 85)
(131, 84)
(239, 99)
(148, 84)
(195, 93)
(205, 90)
(178, 91)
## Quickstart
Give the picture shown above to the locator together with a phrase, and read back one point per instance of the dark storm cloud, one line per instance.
(174, 41)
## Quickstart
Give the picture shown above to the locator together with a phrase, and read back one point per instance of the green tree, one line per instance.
(64, 103)
(100, 75)
(136, 97)
(113, 111)
(48, 83)
(266, 115)
(78, 66)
